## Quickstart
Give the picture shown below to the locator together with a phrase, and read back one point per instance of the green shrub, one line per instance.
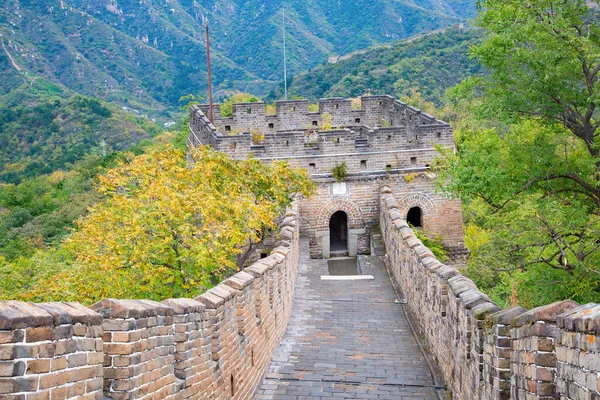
(340, 171)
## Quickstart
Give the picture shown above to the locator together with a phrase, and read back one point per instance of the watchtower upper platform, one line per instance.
(399, 135)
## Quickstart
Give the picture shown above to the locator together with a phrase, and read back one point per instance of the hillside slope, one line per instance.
(45, 127)
(146, 54)
(431, 64)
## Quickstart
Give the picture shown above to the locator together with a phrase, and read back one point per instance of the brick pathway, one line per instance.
(346, 339)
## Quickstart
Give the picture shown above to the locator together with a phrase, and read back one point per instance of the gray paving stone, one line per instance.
(346, 339)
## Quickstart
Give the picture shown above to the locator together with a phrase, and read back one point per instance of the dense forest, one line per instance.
(44, 127)
(527, 166)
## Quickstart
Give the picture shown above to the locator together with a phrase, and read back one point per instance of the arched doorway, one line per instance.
(338, 231)
(415, 217)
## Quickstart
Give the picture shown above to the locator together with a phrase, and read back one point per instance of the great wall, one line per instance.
(221, 344)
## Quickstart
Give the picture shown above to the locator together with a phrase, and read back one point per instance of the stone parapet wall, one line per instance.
(578, 353)
(375, 111)
(216, 346)
(551, 352)
(50, 350)
(385, 133)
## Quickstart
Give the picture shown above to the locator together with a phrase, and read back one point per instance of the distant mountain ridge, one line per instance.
(146, 54)
(431, 64)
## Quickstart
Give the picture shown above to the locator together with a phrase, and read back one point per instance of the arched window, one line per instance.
(415, 217)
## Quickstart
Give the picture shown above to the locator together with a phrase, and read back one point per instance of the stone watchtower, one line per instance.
(383, 143)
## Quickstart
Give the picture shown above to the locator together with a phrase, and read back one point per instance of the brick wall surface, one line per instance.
(216, 346)
(441, 216)
(578, 353)
(50, 350)
(550, 352)
(385, 142)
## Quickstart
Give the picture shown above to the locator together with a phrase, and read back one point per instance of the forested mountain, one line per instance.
(431, 63)
(55, 129)
(45, 126)
(146, 54)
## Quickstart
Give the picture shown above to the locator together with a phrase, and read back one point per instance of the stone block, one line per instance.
(585, 318)
(546, 313)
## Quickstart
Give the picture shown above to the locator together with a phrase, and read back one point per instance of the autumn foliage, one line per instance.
(170, 227)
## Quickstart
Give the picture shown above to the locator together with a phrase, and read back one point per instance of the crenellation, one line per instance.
(550, 352)
(385, 142)
(216, 348)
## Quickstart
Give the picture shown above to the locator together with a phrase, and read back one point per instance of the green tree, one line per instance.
(168, 228)
(532, 170)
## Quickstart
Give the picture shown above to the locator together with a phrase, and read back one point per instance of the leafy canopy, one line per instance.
(530, 169)
(167, 228)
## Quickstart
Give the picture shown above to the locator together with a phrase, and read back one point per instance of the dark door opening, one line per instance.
(415, 217)
(338, 231)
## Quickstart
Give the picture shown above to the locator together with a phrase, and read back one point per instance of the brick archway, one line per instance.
(423, 201)
(351, 209)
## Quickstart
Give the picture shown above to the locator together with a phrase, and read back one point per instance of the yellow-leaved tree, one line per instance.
(171, 227)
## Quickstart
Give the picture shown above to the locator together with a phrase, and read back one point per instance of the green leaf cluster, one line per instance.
(528, 165)
(162, 228)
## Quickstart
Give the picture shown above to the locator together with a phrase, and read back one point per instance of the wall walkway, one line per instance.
(550, 352)
(347, 339)
(344, 339)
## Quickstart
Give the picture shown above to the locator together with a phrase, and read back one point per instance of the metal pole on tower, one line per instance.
(284, 58)
(210, 102)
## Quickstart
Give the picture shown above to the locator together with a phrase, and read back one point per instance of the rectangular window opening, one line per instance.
(271, 126)
(413, 160)
(315, 123)
(227, 128)
(363, 164)
(357, 120)
(312, 168)
(439, 135)
(249, 111)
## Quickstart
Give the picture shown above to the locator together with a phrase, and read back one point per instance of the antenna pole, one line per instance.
(284, 58)
(210, 102)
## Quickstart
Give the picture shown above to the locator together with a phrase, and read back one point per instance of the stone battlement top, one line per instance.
(296, 115)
